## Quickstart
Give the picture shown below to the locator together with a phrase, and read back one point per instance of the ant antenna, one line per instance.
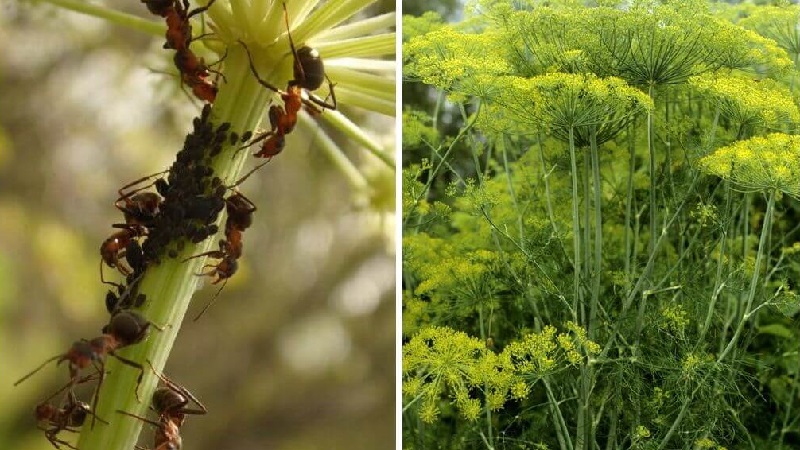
(213, 300)
(38, 369)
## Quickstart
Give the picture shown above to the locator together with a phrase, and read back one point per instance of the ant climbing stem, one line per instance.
(240, 211)
(126, 328)
(69, 417)
(169, 402)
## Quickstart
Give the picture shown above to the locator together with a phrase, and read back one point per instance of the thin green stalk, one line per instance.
(748, 311)
(546, 177)
(169, 286)
(576, 230)
(652, 153)
(598, 235)
(562, 432)
(629, 202)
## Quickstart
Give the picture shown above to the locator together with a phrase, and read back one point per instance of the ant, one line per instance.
(309, 74)
(240, 211)
(177, 15)
(126, 328)
(195, 73)
(140, 208)
(179, 30)
(69, 418)
(169, 402)
(117, 246)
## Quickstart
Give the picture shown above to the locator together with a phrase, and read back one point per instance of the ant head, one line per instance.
(158, 7)
(166, 400)
(127, 327)
(78, 416)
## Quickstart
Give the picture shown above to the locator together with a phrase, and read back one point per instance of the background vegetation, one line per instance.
(298, 352)
(600, 227)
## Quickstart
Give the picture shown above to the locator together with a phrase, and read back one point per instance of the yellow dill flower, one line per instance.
(763, 163)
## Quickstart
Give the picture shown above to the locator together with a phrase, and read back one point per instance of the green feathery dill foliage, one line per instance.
(417, 129)
(778, 23)
(414, 200)
(763, 163)
(559, 102)
(748, 102)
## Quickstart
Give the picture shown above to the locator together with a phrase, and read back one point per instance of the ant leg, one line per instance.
(143, 419)
(102, 279)
(56, 441)
(135, 365)
(255, 73)
(258, 139)
(212, 253)
(198, 10)
(100, 366)
(242, 179)
(139, 181)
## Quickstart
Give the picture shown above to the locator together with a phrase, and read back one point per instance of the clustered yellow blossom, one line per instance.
(560, 102)
(674, 319)
(763, 163)
(748, 101)
(451, 59)
(441, 362)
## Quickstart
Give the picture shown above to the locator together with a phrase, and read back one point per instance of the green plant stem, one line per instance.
(748, 311)
(169, 286)
(652, 153)
(576, 230)
(629, 202)
(598, 236)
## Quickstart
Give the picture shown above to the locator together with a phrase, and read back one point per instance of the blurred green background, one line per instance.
(299, 350)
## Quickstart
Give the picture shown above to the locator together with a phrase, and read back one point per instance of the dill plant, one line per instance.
(600, 256)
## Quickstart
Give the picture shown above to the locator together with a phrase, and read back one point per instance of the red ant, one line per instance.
(177, 15)
(126, 328)
(115, 247)
(309, 74)
(169, 402)
(139, 208)
(195, 73)
(240, 211)
(69, 418)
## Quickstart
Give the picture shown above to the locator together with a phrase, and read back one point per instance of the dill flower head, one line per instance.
(747, 101)
(763, 163)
